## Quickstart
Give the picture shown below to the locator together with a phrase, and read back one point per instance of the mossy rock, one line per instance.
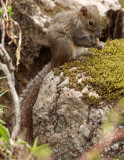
(105, 71)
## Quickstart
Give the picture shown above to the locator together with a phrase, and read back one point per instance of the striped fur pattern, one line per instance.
(27, 101)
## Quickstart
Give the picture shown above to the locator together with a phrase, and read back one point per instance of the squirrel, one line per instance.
(69, 35)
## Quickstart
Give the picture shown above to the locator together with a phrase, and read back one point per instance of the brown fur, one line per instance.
(68, 34)
(27, 101)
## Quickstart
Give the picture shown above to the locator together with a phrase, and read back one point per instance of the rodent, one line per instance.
(69, 35)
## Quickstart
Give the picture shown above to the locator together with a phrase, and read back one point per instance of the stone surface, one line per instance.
(103, 5)
(62, 118)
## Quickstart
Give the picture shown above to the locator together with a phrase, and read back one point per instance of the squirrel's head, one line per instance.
(91, 19)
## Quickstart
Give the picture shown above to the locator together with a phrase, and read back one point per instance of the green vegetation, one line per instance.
(39, 152)
(6, 148)
(4, 132)
(1, 12)
(9, 10)
(121, 102)
(122, 3)
(104, 71)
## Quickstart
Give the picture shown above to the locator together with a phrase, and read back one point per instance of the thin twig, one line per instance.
(7, 58)
(4, 6)
(3, 51)
(110, 137)
(2, 56)
(8, 70)
(3, 33)
(19, 42)
(15, 99)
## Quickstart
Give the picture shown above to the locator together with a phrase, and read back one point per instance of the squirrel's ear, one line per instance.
(83, 10)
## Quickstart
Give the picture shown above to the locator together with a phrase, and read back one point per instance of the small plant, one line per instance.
(4, 132)
(39, 152)
(5, 135)
(2, 92)
(1, 12)
(9, 10)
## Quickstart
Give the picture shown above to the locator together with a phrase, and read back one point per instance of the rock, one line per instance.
(64, 120)
(103, 5)
(67, 118)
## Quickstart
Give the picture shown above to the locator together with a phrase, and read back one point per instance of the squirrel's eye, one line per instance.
(91, 22)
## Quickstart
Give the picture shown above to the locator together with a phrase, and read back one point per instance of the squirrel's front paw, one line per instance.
(100, 45)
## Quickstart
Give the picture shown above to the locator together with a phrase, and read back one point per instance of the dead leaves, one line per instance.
(12, 28)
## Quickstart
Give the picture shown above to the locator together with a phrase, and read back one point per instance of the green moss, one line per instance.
(105, 68)
(91, 99)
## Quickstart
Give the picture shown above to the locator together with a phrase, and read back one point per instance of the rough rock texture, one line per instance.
(103, 5)
(65, 120)
(74, 101)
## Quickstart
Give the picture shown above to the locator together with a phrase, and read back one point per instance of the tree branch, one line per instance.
(3, 33)
(7, 58)
(8, 69)
(110, 137)
(15, 99)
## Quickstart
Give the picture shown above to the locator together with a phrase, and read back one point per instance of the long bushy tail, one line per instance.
(27, 101)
